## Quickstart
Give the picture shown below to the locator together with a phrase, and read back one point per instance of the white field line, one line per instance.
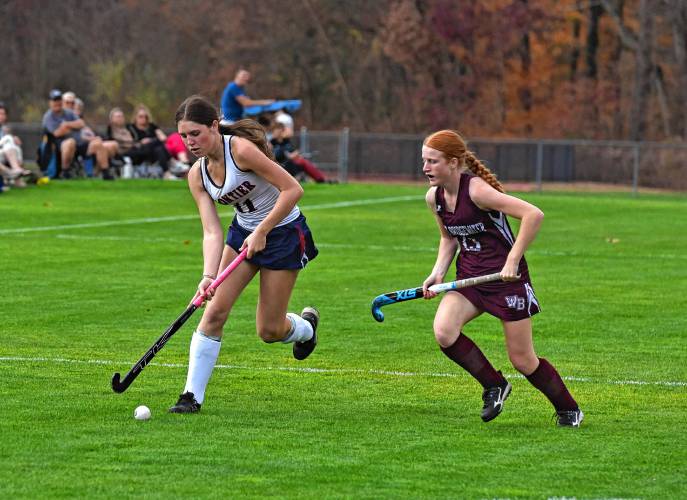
(327, 371)
(63, 236)
(322, 206)
(149, 220)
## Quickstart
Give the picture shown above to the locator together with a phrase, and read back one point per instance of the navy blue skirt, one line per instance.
(290, 246)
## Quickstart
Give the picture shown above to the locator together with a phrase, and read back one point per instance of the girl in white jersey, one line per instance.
(236, 167)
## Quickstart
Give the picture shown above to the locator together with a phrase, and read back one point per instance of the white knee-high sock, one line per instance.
(301, 330)
(202, 358)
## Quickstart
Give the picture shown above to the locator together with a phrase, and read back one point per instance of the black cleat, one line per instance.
(569, 418)
(187, 404)
(302, 350)
(493, 398)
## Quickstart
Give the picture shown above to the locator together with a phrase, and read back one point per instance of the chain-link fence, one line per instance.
(398, 156)
(356, 156)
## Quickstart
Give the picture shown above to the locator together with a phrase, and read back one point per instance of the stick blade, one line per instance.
(376, 308)
(117, 386)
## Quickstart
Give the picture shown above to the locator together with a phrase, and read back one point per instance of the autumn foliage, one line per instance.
(597, 69)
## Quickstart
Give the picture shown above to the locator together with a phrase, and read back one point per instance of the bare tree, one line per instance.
(348, 101)
(575, 49)
(678, 10)
(642, 45)
(594, 15)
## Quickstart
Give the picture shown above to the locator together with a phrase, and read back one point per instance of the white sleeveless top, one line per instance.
(252, 196)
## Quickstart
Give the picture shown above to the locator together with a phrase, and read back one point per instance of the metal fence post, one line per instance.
(304, 146)
(540, 165)
(343, 155)
(635, 169)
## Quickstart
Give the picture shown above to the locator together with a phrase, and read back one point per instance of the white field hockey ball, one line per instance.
(142, 413)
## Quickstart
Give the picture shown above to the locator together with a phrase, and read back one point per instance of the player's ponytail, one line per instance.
(452, 145)
(198, 109)
(478, 168)
(251, 130)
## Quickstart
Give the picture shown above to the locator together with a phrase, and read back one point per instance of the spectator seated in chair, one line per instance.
(87, 133)
(290, 158)
(64, 127)
(281, 116)
(11, 158)
(181, 161)
(151, 139)
(142, 157)
(118, 132)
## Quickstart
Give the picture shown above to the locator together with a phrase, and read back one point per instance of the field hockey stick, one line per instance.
(416, 293)
(121, 386)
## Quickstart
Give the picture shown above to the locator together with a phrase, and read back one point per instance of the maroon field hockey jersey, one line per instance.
(485, 237)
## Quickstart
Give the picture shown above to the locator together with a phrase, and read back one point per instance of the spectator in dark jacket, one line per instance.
(151, 139)
(290, 158)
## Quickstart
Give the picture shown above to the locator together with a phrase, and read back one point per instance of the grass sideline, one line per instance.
(376, 411)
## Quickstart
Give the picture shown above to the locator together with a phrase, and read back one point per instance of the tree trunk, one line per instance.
(356, 116)
(659, 84)
(524, 92)
(621, 42)
(643, 74)
(595, 12)
(678, 10)
(575, 53)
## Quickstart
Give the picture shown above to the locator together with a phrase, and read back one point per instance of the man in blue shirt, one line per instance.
(234, 98)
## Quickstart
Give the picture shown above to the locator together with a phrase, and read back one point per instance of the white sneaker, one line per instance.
(169, 176)
(178, 168)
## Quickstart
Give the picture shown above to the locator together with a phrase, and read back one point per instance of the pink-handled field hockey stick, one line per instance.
(121, 386)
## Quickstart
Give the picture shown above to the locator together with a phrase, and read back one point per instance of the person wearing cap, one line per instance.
(66, 127)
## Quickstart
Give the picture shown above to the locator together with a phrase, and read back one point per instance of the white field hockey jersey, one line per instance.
(252, 196)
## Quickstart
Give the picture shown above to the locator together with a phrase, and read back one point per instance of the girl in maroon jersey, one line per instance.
(470, 207)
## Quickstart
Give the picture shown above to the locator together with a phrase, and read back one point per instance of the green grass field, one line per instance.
(94, 272)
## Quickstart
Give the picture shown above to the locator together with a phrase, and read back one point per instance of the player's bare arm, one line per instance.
(488, 198)
(244, 100)
(447, 249)
(213, 236)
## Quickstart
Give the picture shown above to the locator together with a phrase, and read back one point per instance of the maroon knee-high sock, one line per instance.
(549, 382)
(466, 353)
(310, 169)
